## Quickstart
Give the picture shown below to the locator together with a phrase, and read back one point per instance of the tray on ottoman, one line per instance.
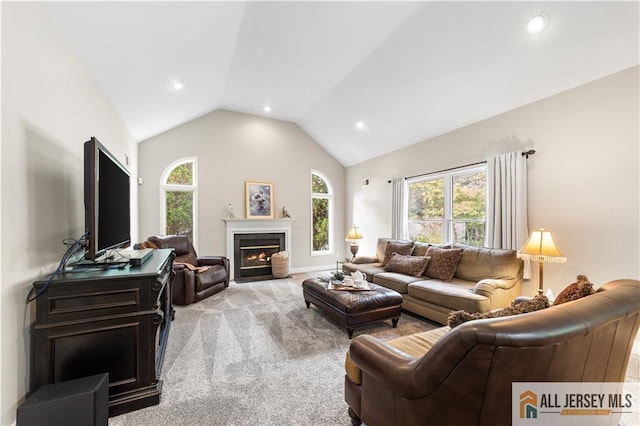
(354, 308)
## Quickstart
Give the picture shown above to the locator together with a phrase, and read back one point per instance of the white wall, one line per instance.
(231, 148)
(50, 106)
(583, 180)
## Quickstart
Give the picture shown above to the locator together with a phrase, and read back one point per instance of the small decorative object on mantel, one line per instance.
(285, 213)
(230, 213)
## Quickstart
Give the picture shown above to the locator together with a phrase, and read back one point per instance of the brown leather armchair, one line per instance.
(465, 376)
(195, 277)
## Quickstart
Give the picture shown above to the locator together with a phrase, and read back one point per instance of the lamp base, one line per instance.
(541, 276)
(354, 250)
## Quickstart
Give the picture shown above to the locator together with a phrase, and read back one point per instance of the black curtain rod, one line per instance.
(525, 154)
(445, 170)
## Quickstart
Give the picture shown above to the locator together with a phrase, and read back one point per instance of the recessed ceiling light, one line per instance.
(177, 85)
(360, 124)
(267, 108)
(537, 23)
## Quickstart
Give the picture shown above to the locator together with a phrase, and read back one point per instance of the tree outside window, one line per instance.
(179, 199)
(321, 208)
(449, 207)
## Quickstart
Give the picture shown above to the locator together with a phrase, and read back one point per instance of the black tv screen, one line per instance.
(106, 200)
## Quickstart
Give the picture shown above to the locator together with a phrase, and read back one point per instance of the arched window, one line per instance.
(322, 214)
(179, 198)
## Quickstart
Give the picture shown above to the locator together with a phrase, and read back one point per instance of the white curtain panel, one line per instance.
(507, 225)
(398, 208)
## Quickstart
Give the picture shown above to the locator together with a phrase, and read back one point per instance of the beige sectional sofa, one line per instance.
(484, 278)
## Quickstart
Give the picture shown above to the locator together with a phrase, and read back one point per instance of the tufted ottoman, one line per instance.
(354, 308)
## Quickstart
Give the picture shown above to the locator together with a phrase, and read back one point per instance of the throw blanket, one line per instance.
(144, 245)
(197, 269)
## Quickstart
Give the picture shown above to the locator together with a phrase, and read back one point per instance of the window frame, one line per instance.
(328, 196)
(193, 188)
(448, 178)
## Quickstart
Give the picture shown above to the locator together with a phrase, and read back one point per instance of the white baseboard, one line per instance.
(306, 269)
(331, 267)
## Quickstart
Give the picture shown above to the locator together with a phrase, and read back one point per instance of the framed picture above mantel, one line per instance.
(259, 200)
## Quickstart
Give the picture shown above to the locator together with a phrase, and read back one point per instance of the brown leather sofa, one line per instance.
(196, 277)
(463, 376)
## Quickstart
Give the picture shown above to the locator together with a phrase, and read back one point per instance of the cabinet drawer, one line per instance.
(93, 301)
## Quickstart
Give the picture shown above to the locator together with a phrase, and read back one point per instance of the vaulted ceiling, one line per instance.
(407, 70)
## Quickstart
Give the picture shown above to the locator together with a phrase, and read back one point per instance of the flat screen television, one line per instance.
(106, 201)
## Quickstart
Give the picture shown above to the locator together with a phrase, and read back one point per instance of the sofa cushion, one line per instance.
(414, 345)
(478, 263)
(381, 246)
(179, 243)
(418, 344)
(581, 288)
(395, 247)
(189, 258)
(443, 262)
(454, 295)
(517, 307)
(395, 281)
(410, 265)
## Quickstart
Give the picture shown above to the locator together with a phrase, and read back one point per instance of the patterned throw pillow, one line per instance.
(408, 265)
(420, 249)
(581, 288)
(443, 262)
(400, 248)
(522, 307)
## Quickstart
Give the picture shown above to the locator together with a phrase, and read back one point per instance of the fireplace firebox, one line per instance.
(252, 255)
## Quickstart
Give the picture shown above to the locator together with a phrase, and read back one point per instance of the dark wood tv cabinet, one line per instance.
(114, 321)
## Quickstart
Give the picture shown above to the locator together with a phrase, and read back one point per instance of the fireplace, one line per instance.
(252, 254)
(257, 227)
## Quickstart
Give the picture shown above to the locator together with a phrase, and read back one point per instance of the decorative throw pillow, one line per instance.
(400, 248)
(520, 307)
(408, 265)
(420, 249)
(443, 262)
(581, 288)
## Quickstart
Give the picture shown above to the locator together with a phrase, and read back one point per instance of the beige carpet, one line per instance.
(255, 355)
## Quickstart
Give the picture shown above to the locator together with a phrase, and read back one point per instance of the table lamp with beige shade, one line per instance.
(354, 235)
(541, 248)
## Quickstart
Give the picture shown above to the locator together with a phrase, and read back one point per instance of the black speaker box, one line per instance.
(78, 402)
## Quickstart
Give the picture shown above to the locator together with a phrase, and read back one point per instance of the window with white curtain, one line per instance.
(448, 207)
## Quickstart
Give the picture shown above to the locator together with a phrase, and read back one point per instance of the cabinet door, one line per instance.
(124, 347)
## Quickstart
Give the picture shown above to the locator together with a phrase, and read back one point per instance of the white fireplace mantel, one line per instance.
(250, 226)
